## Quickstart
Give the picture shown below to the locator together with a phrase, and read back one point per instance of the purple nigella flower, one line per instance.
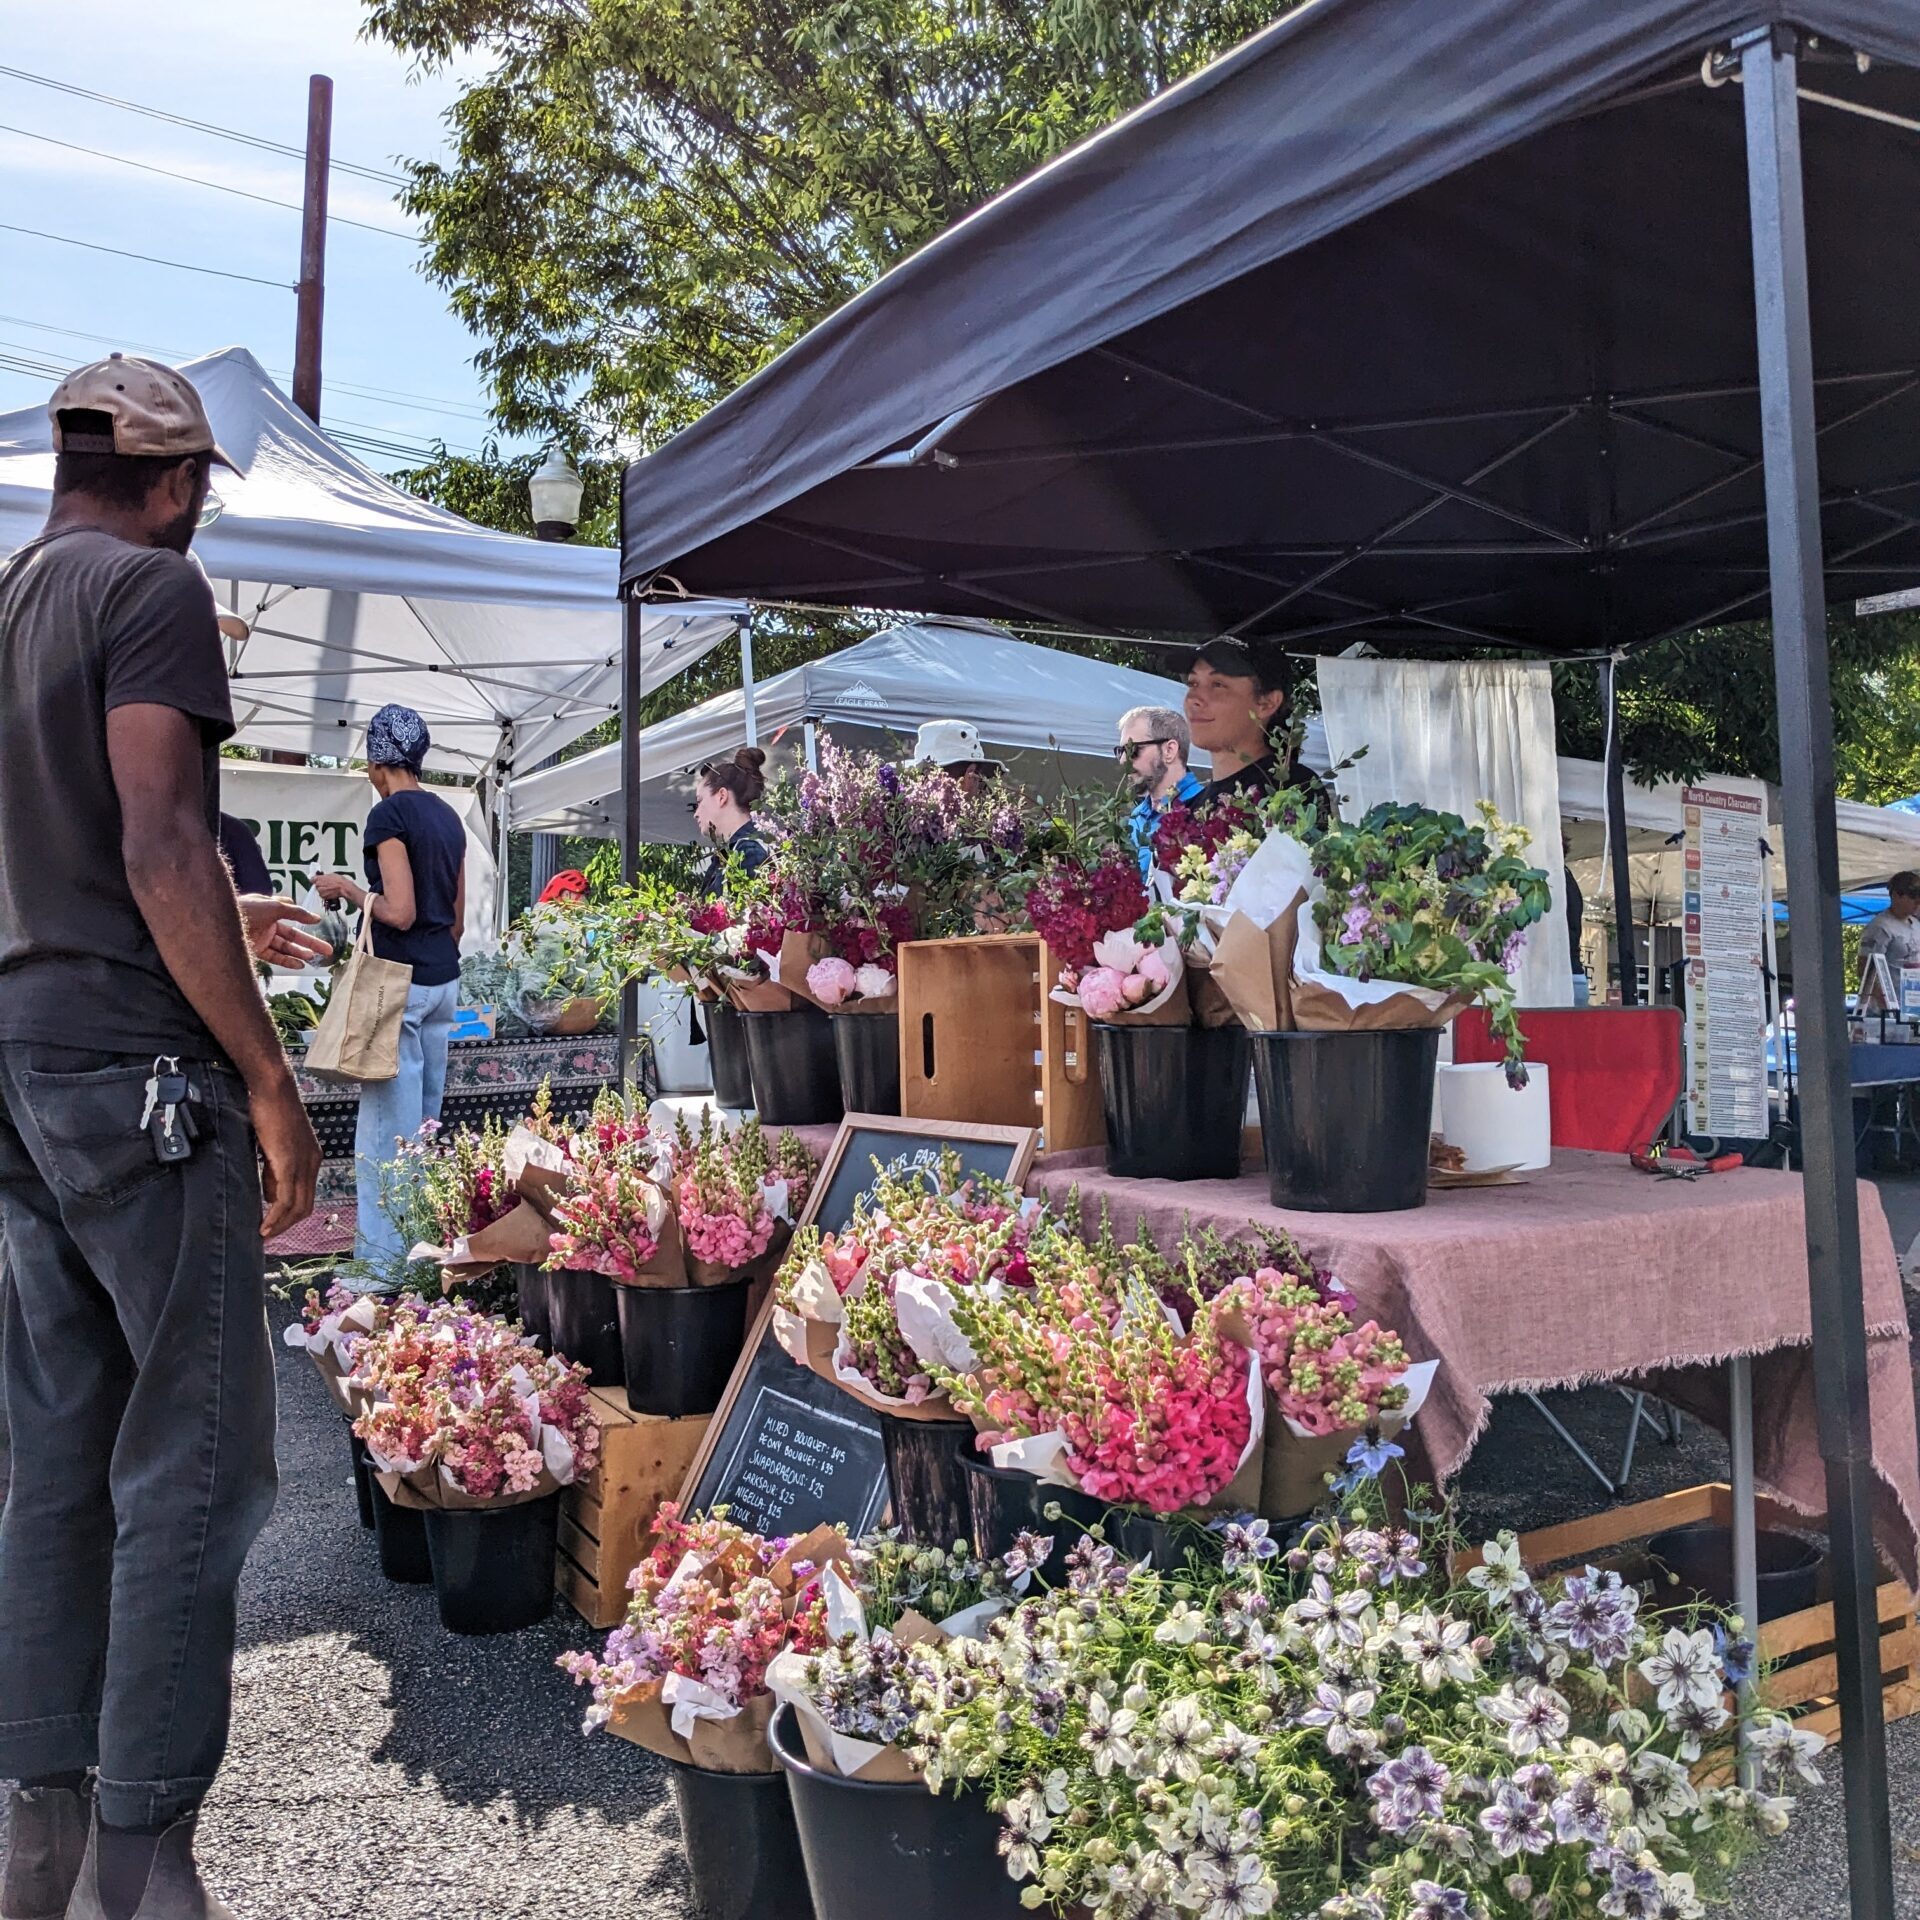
(1431, 1902)
(1597, 1617)
(1578, 1815)
(1408, 1789)
(1517, 1823)
(1634, 1895)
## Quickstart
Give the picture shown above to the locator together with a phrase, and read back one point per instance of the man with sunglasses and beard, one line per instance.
(1153, 749)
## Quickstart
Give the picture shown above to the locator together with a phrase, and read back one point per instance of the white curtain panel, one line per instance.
(1449, 735)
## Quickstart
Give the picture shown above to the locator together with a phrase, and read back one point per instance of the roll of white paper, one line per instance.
(1493, 1124)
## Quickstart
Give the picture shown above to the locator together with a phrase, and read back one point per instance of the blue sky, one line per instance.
(396, 365)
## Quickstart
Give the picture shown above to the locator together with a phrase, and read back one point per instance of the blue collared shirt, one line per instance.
(1144, 820)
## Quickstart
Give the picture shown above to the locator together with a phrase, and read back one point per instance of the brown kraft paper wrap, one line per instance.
(669, 1266)
(1318, 1009)
(759, 996)
(1293, 1479)
(738, 1745)
(425, 1491)
(1211, 1007)
(1253, 969)
(810, 1343)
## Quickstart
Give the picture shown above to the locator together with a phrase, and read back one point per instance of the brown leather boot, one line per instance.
(173, 1890)
(46, 1837)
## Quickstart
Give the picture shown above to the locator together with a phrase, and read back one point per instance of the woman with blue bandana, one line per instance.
(416, 897)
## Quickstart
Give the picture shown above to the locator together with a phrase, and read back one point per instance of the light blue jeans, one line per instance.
(392, 1110)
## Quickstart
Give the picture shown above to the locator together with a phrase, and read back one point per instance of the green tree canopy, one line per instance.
(646, 200)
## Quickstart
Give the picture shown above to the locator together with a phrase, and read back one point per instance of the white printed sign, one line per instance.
(1725, 932)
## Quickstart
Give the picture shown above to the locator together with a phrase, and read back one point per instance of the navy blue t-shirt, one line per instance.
(436, 844)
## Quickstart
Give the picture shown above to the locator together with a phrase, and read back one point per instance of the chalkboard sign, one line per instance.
(1004, 1153)
(787, 1450)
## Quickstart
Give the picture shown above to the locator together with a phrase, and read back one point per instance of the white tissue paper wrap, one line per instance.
(689, 1700)
(924, 1308)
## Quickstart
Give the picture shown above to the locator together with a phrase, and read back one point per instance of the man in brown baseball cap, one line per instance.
(145, 1103)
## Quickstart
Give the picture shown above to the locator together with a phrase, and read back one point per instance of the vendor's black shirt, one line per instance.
(89, 623)
(743, 845)
(1259, 778)
(436, 845)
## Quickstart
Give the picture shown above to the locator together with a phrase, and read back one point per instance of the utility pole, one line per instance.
(312, 289)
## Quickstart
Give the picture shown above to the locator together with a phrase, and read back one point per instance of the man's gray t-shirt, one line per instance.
(89, 623)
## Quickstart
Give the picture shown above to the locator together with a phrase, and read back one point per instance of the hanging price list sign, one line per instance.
(1726, 896)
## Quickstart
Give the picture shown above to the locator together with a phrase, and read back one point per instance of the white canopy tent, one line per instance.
(1050, 716)
(1874, 842)
(358, 593)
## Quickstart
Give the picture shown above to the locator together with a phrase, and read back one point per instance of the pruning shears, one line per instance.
(1679, 1162)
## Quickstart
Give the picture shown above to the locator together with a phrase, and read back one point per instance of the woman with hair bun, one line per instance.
(723, 811)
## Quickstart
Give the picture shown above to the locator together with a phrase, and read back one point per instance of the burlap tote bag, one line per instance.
(358, 1037)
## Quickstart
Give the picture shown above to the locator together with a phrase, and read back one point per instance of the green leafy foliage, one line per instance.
(645, 201)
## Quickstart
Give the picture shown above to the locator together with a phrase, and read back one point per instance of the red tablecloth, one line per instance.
(1589, 1271)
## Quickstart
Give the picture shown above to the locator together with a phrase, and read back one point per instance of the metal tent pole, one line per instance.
(1616, 779)
(1769, 64)
(746, 681)
(630, 697)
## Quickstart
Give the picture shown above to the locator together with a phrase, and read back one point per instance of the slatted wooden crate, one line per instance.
(1799, 1647)
(981, 1039)
(606, 1520)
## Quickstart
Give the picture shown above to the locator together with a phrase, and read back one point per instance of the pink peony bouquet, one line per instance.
(1129, 979)
(838, 983)
(460, 1411)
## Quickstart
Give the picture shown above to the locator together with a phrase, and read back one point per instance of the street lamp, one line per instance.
(555, 492)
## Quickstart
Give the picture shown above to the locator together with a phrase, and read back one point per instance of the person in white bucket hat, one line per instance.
(954, 747)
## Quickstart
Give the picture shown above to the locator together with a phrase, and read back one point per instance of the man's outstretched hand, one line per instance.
(273, 931)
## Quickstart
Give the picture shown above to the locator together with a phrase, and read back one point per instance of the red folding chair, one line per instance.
(1613, 1075)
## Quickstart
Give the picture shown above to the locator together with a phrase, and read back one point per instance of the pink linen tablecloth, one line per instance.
(1589, 1271)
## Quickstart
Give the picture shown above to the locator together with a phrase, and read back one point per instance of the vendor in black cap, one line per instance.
(1236, 702)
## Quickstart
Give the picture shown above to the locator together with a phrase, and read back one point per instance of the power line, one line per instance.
(200, 126)
(420, 402)
(152, 259)
(193, 180)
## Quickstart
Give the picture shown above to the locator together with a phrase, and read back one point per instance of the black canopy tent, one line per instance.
(1416, 324)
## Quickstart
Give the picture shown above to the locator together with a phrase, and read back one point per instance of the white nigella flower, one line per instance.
(1440, 1651)
(1500, 1575)
(1024, 1827)
(1332, 1619)
(1181, 1628)
(1344, 1718)
(1695, 1725)
(1107, 1736)
(1183, 1730)
(1630, 1725)
(1535, 1717)
(1781, 1748)
(1234, 1747)
(1249, 1893)
(1685, 1669)
(1663, 1786)
(1678, 1899)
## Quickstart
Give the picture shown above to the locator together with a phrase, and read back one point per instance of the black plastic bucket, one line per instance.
(727, 1054)
(867, 1046)
(796, 1076)
(742, 1847)
(887, 1850)
(493, 1566)
(400, 1538)
(362, 1476)
(1006, 1502)
(531, 1305)
(1175, 1098)
(926, 1470)
(681, 1344)
(1348, 1117)
(1162, 1540)
(1702, 1558)
(583, 1320)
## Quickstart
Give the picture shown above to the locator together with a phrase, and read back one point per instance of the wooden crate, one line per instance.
(1799, 1647)
(981, 1039)
(606, 1520)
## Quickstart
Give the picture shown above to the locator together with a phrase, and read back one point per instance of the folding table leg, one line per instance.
(1746, 1568)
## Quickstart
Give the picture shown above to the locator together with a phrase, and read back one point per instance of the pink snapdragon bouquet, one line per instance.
(736, 1195)
(1087, 1379)
(460, 1411)
(611, 1222)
